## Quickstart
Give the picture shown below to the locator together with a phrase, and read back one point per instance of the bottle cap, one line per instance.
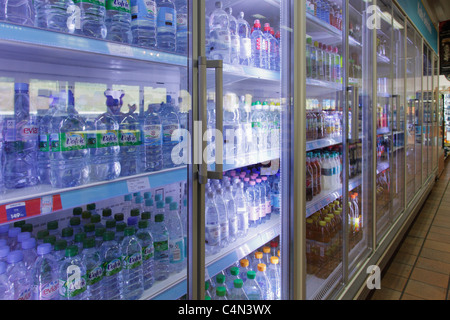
(88, 243)
(74, 221)
(135, 212)
(71, 251)
(128, 197)
(120, 227)
(52, 225)
(220, 278)
(143, 224)
(221, 291)
(111, 224)
(257, 24)
(238, 283)
(267, 27)
(274, 260)
(159, 218)
(160, 205)
(77, 211)
(251, 274)
(244, 263)
(261, 267)
(266, 249)
(42, 234)
(158, 197)
(258, 255)
(149, 202)
(95, 218)
(50, 239)
(14, 256)
(23, 236)
(107, 212)
(60, 245)
(44, 249)
(79, 237)
(118, 217)
(173, 206)
(168, 199)
(21, 86)
(99, 232)
(273, 244)
(67, 232)
(146, 215)
(90, 206)
(139, 199)
(28, 243)
(108, 236)
(4, 251)
(86, 215)
(129, 231)
(90, 227)
(147, 195)
(322, 223)
(27, 227)
(234, 271)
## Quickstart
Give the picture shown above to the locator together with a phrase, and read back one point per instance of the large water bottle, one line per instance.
(112, 267)
(21, 142)
(130, 144)
(231, 134)
(212, 228)
(241, 211)
(244, 32)
(143, 22)
(18, 276)
(219, 34)
(161, 245)
(29, 252)
(6, 292)
(262, 200)
(152, 139)
(103, 144)
(118, 20)
(166, 26)
(44, 275)
(72, 287)
(237, 293)
(259, 51)
(176, 238)
(258, 121)
(148, 252)
(235, 49)
(230, 204)
(55, 15)
(268, 192)
(170, 127)
(132, 274)
(92, 18)
(274, 278)
(271, 47)
(68, 139)
(182, 26)
(94, 269)
(276, 194)
(19, 11)
(223, 218)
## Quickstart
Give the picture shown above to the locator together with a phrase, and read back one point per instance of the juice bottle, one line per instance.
(311, 258)
(323, 244)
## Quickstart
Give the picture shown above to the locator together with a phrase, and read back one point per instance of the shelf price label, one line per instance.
(15, 211)
(138, 184)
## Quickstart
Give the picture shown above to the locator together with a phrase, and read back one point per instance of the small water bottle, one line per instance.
(161, 246)
(92, 19)
(132, 273)
(18, 276)
(70, 287)
(55, 15)
(112, 267)
(148, 252)
(44, 275)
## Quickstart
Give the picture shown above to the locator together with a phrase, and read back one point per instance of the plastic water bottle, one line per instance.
(170, 125)
(79, 240)
(4, 251)
(112, 267)
(4, 228)
(29, 252)
(72, 287)
(152, 139)
(262, 200)
(259, 50)
(182, 26)
(271, 47)
(143, 22)
(230, 204)
(276, 194)
(233, 275)
(21, 237)
(223, 218)
(118, 20)
(268, 192)
(257, 259)
(5, 288)
(244, 268)
(235, 41)
(56, 15)
(274, 278)
(212, 228)
(44, 275)
(161, 245)
(92, 18)
(166, 26)
(132, 274)
(94, 270)
(231, 133)
(219, 34)
(148, 253)
(19, 11)
(21, 142)
(12, 237)
(130, 144)
(258, 121)
(18, 276)
(253, 204)
(176, 238)
(243, 29)
(277, 48)
(221, 293)
(238, 293)
(263, 282)
(252, 288)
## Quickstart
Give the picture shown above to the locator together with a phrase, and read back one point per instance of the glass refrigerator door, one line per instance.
(418, 109)
(91, 132)
(426, 113)
(245, 186)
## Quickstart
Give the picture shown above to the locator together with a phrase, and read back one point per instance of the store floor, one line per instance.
(420, 269)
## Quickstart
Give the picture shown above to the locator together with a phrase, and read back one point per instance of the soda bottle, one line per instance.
(161, 246)
(112, 267)
(92, 19)
(219, 34)
(252, 288)
(212, 228)
(166, 26)
(143, 23)
(44, 275)
(118, 20)
(70, 287)
(94, 269)
(152, 135)
(148, 252)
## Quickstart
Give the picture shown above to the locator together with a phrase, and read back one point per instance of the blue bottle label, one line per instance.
(166, 18)
(118, 5)
(176, 248)
(152, 135)
(140, 9)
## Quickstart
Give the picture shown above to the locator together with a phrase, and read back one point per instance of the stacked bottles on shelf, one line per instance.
(323, 172)
(254, 277)
(231, 39)
(327, 11)
(355, 160)
(244, 200)
(160, 24)
(383, 118)
(383, 192)
(323, 62)
(355, 220)
(96, 256)
(64, 149)
(322, 119)
(324, 240)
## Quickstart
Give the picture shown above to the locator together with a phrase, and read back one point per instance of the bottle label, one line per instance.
(152, 135)
(103, 139)
(212, 235)
(29, 132)
(94, 275)
(129, 137)
(132, 261)
(161, 249)
(268, 207)
(46, 291)
(276, 201)
(243, 218)
(71, 287)
(233, 222)
(259, 43)
(141, 9)
(166, 18)
(262, 210)
(112, 267)
(221, 39)
(224, 230)
(253, 213)
(44, 145)
(118, 5)
(168, 133)
(246, 48)
(327, 172)
(176, 249)
(182, 20)
(100, 3)
(148, 252)
(68, 141)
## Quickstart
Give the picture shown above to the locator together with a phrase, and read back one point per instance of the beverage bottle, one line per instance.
(112, 267)
(274, 276)
(246, 127)
(161, 246)
(92, 258)
(69, 154)
(6, 292)
(171, 137)
(18, 11)
(85, 218)
(4, 232)
(238, 293)
(44, 275)
(92, 19)
(252, 288)
(244, 268)
(75, 224)
(59, 250)
(212, 228)
(21, 237)
(326, 62)
(18, 276)
(268, 201)
(143, 22)
(256, 259)
(267, 127)
(184, 223)
(259, 51)
(166, 26)
(70, 287)
(230, 204)
(148, 252)
(234, 274)
(176, 238)
(56, 15)
(263, 282)
(89, 229)
(253, 204)
(96, 219)
(182, 27)
(221, 293)
(271, 47)
(243, 30)
(337, 65)
(20, 142)
(132, 274)
(118, 20)
(12, 237)
(231, 133)
(219, 34)
(223, 218)
(130, 144)
(323, 244)
(4, 251)
(266, 255)
(29, 252)
(235, 43)
(309, 181)
(262, 200)
(152, 140)
(317, 62)
(79, 240)
(221, 283)
(98, 238)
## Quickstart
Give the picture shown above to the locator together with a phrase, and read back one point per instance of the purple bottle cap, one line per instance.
(44, 249)
(15, 256)
(28, 243)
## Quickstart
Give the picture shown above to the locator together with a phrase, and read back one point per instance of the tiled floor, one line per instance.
(420, 270)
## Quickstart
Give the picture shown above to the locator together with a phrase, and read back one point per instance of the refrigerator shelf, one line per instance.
(172, 288)
(323, 143)
(323, 84)
(43, 199)
(231, 164)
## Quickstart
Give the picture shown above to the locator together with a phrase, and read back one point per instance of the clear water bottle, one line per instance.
(92, 18)
(242, 213)
(212, 228)
(143, 22)
(21, 237)
(182, 26)
(130, 145)
(276, 194)
(232, 275)
(235, 41)
(262, 200)
(170, 126)
(44, 275)
(18, 276)
(72, 276)
(112, 267)
(263, 282)
(230, 204)
(59, 250)
(176, 238)
(4, 251)
(253, 204)
(259, 51)
(274, 278)
(258, 121)
(166, 26)
(211, 126)
(118, 20)
(29, 252)
(19, 11)
(161, 246)
(103, 144)
(152, 139)
(68, 138)
(6, 292)
(238, 293)
(223, 218)
(244, 267)
(244, 32)
(219, 34)
(94, 270)
(148, 252)
(132, 274)
(55, 15)
(252, 288)
(271, 47)
(21, 142)
(277, 49)
(79, 240)
(268, 192)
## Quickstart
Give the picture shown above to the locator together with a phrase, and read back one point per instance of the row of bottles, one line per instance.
(322, 122)
(114, 259)
(254, 277)
(323, 62)
(158, 24)
(325, 10)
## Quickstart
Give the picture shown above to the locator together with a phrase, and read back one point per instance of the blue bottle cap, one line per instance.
(132, 221)
(14, 232)
(28, 243)
(158, 197)
(173, 206)
(14, 256)
(4, 228)
(160, 205)
(2, 242)
(44, 249)
(139, 199)
(147, 195)
(149, 202)
(4, 251)
(128, 197)
(21, 86)
(169, 199)
(23, 236)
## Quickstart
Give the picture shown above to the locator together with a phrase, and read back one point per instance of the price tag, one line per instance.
(120, 50)
(47, 204)
(138, 184)
(16, 211)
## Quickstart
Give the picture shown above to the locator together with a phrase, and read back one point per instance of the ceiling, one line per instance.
(438, 10)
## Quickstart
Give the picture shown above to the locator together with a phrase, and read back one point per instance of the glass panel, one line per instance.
(426, 113)
(411, 51)
(418, 110)
(324, 146)
(243, 210)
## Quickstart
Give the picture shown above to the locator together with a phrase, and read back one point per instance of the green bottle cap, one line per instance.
(108, 236)
(159, 218)
(96, 218)
(18, 224)
(221, 291)
(143, 224)
(107, 212)
(251, 274)
(234, 271)
(86, 215)
(27, 227)
(75, 221)
(50, 239)
(52, 225)
(42, 234)
(89, 243)
(118, 217)
(79, 237)
(90, 227)
(146, 215)
(99, 232)
(129, 231)
(111, 223)
(120, 227)
(220, 278)
(90, 206)
(173, 206)
(160, 205)
(77, 211)
(71, 251)
(238, 283)
(60, 245)
(134, 213)
(67, 232)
